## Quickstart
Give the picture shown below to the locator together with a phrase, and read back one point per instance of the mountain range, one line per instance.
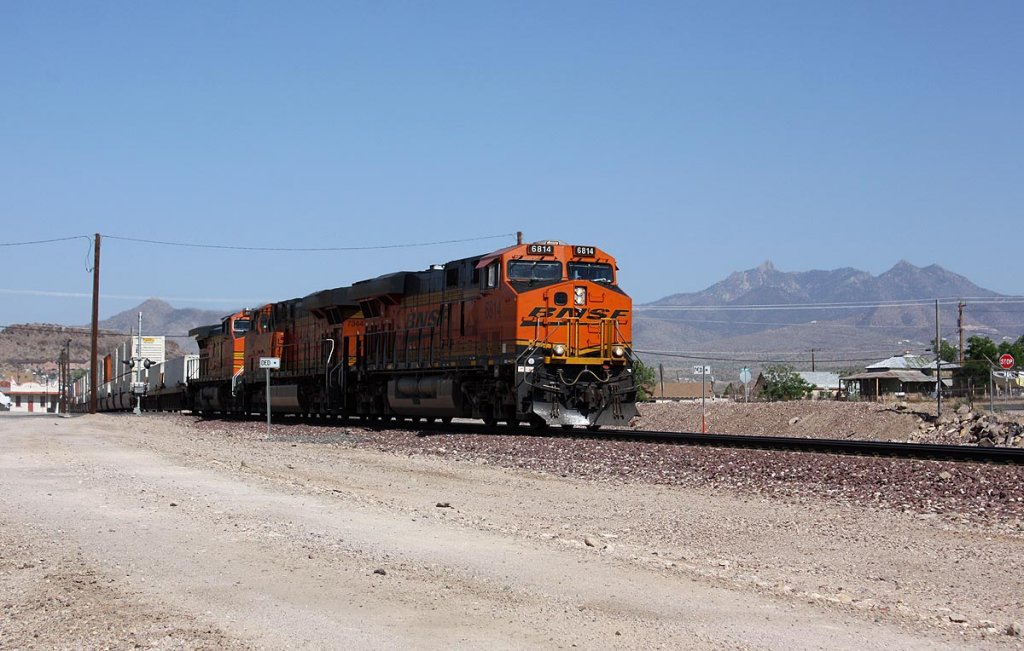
(847, 316)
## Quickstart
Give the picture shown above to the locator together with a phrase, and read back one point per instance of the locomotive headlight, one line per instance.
(618, 351)
(580, 295)
(558, 350)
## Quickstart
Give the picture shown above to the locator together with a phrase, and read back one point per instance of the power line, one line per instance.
(306, 249)
(50, 241)
(133, 297)
(855, 305)
(788, 357)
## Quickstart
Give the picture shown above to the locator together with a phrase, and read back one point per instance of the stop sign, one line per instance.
(1006, 361)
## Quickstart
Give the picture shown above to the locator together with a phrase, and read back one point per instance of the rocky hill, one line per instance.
(35, 347)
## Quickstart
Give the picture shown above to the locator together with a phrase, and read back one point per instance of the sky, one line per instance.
(690, 140)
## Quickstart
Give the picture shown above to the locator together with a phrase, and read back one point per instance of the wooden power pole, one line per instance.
(93, 384)
(960, 327)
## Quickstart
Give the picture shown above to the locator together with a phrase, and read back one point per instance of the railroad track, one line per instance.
(963, 453)
(926, 451)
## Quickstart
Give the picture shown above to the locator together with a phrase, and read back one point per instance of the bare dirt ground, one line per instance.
(807, 418)
(171, 533)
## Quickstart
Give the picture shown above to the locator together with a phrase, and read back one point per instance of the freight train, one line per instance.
(537, 333)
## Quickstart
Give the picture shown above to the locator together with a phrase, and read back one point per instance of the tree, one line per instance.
(981, 353)
(782, 383)
(645, 379)
(947, 351)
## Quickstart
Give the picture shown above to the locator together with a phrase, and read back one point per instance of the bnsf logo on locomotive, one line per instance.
(582, 313)
(423, 319)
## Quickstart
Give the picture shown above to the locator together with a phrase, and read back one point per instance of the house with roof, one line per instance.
(32, 397)
(826, 383)
(899, 377)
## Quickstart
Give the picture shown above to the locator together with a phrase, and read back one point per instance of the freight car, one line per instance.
(535, 333)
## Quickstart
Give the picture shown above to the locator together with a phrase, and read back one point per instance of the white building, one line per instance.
(32, 397)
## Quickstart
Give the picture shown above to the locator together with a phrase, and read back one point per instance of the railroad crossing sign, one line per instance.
(744, 375)
(1006, 361)
(270, 362)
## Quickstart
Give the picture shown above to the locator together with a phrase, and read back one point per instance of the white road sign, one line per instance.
(270, 362)
(701, 370)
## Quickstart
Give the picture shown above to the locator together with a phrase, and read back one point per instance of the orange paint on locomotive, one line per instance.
(303, 341)
(222, 349)
(505, 309)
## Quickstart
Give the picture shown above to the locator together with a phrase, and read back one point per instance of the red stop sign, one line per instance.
(1006, 360)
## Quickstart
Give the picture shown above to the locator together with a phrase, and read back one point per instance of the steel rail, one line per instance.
(932, 451)
(853, 447)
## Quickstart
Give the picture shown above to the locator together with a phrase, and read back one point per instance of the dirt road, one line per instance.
(151, 532)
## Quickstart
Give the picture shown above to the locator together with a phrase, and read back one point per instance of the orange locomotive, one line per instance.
(315, 339)
(538, 333)
(222, 348)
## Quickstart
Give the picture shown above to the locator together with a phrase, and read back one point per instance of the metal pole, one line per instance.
(268, 403)
(137, 358)
(991, 390)
(703, 421)
(93, 384)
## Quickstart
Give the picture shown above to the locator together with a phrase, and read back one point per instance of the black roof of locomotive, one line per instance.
(337, 297)
(396, 284)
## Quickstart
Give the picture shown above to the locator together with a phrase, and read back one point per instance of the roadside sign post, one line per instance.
(269, 363)
(704, 372)
(1006, 362)
(745, 379)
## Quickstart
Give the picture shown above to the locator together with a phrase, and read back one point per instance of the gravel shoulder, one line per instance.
(166, 532)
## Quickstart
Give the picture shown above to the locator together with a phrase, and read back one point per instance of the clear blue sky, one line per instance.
(689, 139)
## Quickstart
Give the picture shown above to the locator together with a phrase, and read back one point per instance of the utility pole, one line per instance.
(93, 361)
(938, 365)
(67, 376)
(960, 327)
(812, 360)
(60, 382)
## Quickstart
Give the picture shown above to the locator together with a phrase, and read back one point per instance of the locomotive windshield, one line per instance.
(241, 326)
(534, 270)
(595, 271)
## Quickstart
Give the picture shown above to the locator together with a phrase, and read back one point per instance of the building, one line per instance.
(684, 390)
(32, 397)
(826, 384)
(899, 377)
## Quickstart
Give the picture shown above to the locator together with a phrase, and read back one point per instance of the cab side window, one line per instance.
(491, 279)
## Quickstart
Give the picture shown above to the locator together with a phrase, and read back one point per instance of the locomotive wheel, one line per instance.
(593, 428)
